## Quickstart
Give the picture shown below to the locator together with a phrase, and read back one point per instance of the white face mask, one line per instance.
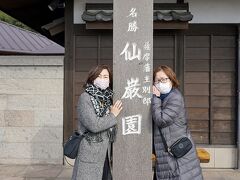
(164, 88)
(101, 83)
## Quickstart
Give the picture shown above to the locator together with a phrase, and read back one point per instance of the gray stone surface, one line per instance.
(31, 110)
(35, 102)
(2, 120)
(3, 101)
(18, 118)
(132, 152)
(58, 172)
(31, 60)
(31, 86)
(32, 134)
(22, 72)
(48, 117)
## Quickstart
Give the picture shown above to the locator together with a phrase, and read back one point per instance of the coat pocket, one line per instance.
(89, 152)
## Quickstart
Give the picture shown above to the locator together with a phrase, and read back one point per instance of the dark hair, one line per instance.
(169, 72)
(94, 73)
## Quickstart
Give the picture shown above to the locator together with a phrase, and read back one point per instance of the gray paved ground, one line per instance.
(53, 172)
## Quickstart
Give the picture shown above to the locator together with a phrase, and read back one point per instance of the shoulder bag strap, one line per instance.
(164, 140)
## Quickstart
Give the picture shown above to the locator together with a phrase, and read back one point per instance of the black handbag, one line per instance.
(71, 147)
(179, 148)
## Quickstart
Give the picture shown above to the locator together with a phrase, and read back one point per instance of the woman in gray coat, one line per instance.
(97, 117)
(169, 115)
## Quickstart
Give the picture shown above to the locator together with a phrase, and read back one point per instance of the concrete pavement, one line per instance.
(58, 172)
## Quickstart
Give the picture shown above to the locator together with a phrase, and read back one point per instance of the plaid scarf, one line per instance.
(101, 99)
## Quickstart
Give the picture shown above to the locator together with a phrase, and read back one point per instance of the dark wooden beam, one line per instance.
(180, 1)
(156, 25)
(99, 25)
(211, 96)
(99, 6)
(170, 6)
(238, 113)
(68, 72)
(170, 25)
(214, 29)
(179, 58)
(55, 27)
(156, 6)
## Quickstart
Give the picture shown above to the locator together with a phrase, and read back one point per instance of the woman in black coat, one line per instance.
(169, 115)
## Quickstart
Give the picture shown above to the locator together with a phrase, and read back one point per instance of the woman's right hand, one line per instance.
(156, 91)
(116, 108)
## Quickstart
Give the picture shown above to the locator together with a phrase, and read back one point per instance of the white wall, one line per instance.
(204, 11)
(215, 11)
(31, 109)
(78, 9)
(220, 157)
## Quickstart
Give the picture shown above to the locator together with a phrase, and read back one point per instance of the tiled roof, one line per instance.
(101, 15)
(15, 40)
(172, 16)
(92, 16)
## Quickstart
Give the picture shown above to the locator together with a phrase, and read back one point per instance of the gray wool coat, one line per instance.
(91, 155)
(170, 116)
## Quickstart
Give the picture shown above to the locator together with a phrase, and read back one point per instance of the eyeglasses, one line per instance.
(162, 80)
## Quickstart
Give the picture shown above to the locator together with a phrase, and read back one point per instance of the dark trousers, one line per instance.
(107, 175)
